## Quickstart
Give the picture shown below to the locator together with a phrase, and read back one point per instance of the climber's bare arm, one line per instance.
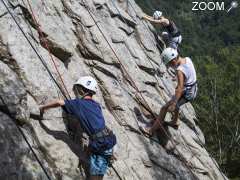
(53, 104)
(180, 87)
(163, 21)
(150, 19)
(178, 91)
(147, 17)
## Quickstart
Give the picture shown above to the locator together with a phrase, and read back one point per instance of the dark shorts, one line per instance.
(99, 163)
(189, 94)
(171, 41)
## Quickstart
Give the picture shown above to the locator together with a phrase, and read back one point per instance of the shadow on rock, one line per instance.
(74, 139)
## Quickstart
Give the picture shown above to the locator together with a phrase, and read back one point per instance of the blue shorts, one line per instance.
(99, 163)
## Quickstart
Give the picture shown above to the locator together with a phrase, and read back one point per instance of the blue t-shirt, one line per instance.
(88, 112)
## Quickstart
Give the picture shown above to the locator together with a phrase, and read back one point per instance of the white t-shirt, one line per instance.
(189, 71)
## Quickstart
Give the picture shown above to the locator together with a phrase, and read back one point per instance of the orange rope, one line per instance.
(45, 44)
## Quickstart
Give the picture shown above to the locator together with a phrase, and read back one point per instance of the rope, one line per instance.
(116, 172)
(34, 49)
(194, 130)
(146, 26)
(14, 120)
(41, 36)
(152, 40)
(44, 63)
(123, 67)
(133, 83)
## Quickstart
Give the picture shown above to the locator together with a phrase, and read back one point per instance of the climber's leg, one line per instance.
(160, 118)
(157, 123)
(175, 123)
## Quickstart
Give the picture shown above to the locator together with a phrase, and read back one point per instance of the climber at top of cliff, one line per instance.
(89, 114)
(185, 91)
(172, 35)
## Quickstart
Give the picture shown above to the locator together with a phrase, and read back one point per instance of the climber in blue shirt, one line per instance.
(89, 114)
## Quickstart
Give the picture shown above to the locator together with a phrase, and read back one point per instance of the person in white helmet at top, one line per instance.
(89, 114)
(172, 35)
(185, 91)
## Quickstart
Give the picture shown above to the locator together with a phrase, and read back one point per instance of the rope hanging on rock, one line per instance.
(133, 83)
(34, 49)
(152, 40)
(45, 44)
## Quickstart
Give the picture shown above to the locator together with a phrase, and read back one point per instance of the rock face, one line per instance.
(76, 34)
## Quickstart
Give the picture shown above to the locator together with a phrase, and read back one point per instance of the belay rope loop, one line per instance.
(133, 83)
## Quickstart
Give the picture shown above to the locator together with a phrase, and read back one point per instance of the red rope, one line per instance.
(45, 44)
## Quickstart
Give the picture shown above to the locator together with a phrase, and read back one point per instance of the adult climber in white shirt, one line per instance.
(185, 91)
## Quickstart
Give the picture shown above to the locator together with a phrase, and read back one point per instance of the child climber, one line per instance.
(185, 91)
(89, 114)
(172, 35)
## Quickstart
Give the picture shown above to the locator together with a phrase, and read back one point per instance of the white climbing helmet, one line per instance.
(88, 82)
(168, 55)
(157, 15)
